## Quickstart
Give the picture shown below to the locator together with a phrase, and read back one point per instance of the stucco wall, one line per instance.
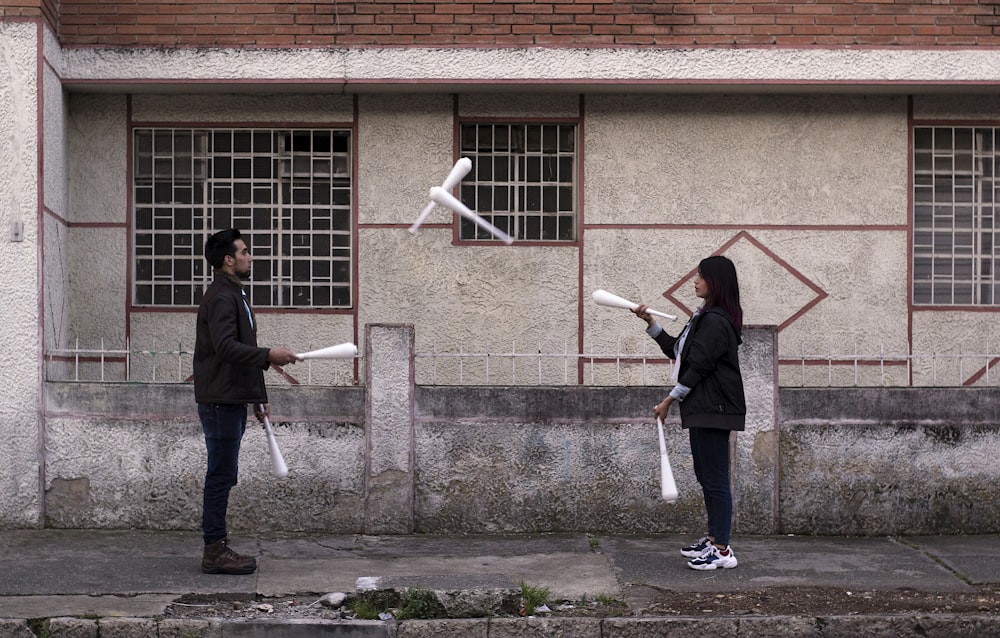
(391, 457)
(20, 140)
(746, 160)
(133, 456)
(807, 193)
(889, 461)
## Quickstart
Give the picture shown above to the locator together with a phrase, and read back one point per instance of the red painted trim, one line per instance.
(245, 125)
(157, 310)
(456, 144)
(334, 83)
(580, 229)
(659, 360)
(743, 227)
(129, 214)
(517, 120)
(40, 410)
(915, 308)
(344, 85)
(981, 372)
(945, 122)
(152, 310)
(569, 46)
(820, 293)
(86, 359)
(54, 215)
(291, 380)
(520, 242)
(95, 224)
(909, 234)
(841, 362)
(678, 82)
(389, 225)
(355, 231)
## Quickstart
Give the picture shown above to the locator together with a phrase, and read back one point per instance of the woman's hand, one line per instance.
(662, 408)
(642, 314)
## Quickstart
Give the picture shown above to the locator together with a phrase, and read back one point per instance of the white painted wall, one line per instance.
(20, 400)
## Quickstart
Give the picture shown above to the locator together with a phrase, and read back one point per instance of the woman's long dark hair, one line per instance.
(723, 287)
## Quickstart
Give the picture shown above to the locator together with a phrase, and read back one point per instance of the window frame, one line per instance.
(955, 232)
(520, 219)
(307, 229)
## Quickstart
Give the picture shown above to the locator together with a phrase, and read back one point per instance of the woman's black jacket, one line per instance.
(710, 367)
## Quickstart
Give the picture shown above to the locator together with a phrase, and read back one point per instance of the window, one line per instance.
(523, 180)
(955, 229)
(287, 191)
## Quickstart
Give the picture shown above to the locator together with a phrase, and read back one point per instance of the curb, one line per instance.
(897, 626)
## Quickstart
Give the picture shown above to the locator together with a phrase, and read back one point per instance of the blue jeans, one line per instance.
(710, 452)
(224, 426)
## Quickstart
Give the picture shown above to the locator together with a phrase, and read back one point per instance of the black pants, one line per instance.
(224, 426)
(710, 451)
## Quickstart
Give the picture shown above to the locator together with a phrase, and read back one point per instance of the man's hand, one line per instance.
(260, 410)
(281, 356)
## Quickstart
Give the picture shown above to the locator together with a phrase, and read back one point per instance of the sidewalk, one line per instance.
(125, 581)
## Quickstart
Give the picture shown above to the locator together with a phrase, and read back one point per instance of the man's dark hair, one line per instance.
(221, 244)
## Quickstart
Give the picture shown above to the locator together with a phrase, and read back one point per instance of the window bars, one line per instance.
(955, 228)
(289, 191)
(523, 180)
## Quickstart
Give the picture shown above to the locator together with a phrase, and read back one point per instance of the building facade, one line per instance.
(843, 154)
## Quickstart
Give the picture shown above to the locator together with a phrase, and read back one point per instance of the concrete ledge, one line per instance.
(924, 406)
(902, 626)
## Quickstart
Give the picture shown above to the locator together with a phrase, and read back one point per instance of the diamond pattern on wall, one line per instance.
(771, 291)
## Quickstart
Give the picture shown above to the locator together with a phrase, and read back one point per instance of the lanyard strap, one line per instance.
(247, 306)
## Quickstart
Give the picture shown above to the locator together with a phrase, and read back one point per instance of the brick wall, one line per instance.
(597, 23)
(45, 8)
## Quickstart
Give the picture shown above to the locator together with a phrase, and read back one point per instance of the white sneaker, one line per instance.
(697, 548)
(714, 558)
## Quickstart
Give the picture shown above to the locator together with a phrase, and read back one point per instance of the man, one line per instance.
(228, 374)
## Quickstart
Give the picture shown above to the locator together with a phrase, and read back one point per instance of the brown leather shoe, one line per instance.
(219, 559)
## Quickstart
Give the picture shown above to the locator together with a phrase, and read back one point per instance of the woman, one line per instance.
(709, 389)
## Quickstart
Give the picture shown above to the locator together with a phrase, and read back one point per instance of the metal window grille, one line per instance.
(289, 192)
(955, 229)
(523, 180)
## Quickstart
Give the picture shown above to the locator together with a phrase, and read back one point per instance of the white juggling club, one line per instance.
(446, 199)
(668, 489)
(605, 298)
(278, 467)
(458, 171)
(339, 351)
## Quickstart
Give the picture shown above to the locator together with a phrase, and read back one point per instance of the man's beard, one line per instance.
(243, 275)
